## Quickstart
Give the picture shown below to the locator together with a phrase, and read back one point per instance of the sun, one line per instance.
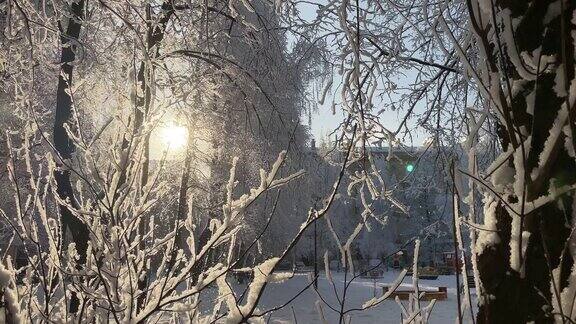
(175, 137)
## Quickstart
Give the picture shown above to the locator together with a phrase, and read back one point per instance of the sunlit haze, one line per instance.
(175, 137)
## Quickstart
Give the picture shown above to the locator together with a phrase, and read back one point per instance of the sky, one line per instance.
(323, 122)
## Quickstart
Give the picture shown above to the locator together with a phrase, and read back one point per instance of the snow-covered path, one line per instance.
(360, 290)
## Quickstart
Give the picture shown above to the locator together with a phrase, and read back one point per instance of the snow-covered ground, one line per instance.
(303, 307)
(361, 290)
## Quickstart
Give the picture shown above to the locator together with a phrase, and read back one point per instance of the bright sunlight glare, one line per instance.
(174, 136)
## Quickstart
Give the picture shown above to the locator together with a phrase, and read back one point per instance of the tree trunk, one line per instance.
(516, 284)
(63, 143)
(155, 35)
(183, 202)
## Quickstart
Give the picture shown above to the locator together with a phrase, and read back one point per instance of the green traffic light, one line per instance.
(409, 167)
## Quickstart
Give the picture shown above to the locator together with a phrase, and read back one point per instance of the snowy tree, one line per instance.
(527, 81)
(133, 64)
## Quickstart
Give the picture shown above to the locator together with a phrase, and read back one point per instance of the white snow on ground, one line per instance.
(361, 290)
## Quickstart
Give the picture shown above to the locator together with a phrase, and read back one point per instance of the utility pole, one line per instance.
(315, 257)
(316, 200)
